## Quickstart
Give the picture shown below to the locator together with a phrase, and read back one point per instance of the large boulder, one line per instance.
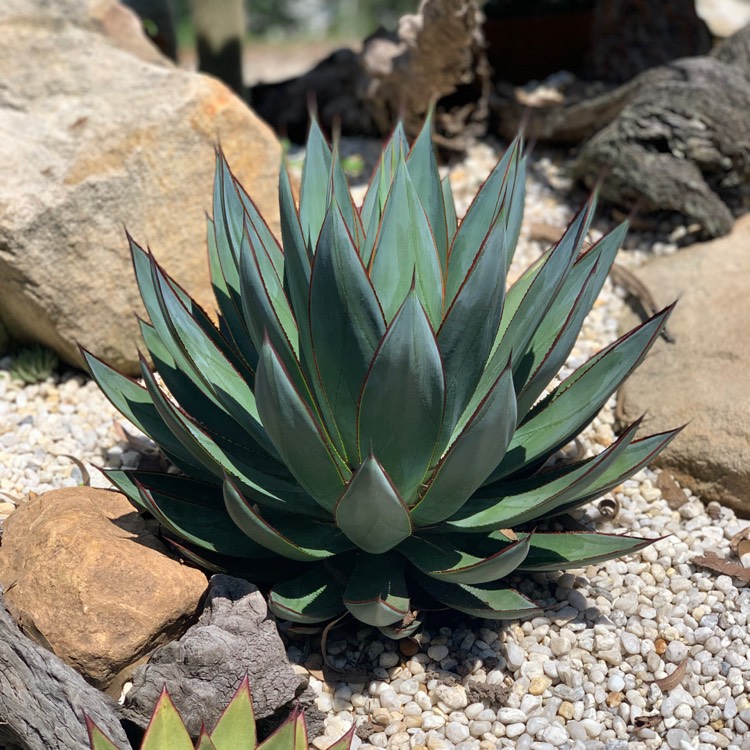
(702, 379)
(100, 134)
(83, 576)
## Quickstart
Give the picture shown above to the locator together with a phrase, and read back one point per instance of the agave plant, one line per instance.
(373, 404)
(235, 729)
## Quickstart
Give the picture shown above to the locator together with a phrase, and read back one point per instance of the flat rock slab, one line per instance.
(84, 577)
(100, 134)
(703, 379)
(234, 637)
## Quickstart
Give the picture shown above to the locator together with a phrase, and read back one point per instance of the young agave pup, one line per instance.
(369, 407)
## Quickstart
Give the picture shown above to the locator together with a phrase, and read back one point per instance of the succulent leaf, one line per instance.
(371, 512)
(314, 596)
(401, 406)
(376, 592)
(235, 729)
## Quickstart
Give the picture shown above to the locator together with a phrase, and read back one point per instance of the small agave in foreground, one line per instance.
(372, 405)
(235, 730)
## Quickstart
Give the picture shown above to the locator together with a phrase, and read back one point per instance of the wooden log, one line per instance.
(43, 700)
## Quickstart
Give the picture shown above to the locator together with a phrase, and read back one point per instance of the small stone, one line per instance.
(456, 732)
(616, 683)
(510, 715)
(675, 652)
(614, 699)
(454, 697)
(515, 730)
(566, 710)
(438, 653)
(660, 646)
(514, 655)
(538, 685)
(408, 646)
(555, 735)
(388, 659)
(675, 738)
(560, 646)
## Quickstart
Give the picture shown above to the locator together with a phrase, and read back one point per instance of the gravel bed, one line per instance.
(579, 677)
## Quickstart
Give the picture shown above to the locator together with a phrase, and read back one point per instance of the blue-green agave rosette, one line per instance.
(368, 420)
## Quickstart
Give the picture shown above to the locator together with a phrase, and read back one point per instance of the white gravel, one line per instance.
(579, 677)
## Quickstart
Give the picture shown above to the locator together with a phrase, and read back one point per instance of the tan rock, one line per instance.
(98, 135)
(83, 576)
(702, 379)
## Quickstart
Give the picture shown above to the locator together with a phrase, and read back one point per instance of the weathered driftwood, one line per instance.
(435, 55)
(43, 701)
(681, 143)
(234, 637)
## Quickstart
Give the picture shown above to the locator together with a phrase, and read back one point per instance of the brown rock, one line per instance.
(702, 379)
(84, 577)
(100, 133)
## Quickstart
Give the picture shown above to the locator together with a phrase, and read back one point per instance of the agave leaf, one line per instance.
(296, 432)
(371, 512)
(423, 170)
(399, 630)
(451, 220)
(231, 323)
(97, 739)
(556, 335)
(209, 361)
(638, 454)
(515, 199)
(220, 457)
(291, 735)
(521, 318)
(292, 536)
(297, 258)
(468, 331)
(204, 741)
(314, 596)
(264, 301)
(261, 234)
(576, 549)
(134, 402)
(235, 729)
(455, 559)
(216, 422)
(145, 270)
(347, 325)
(376, 592)
(195, 517)
(529, 499)
(166, 730)
(342, 197)
(345, 742)
(401, 407)
(379, 187)
(479, 218)
(405, 248)
(561, 416)
(488, 600)
(476, 449)
(313, 201)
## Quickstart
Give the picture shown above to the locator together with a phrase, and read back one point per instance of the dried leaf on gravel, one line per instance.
(713, 562)
(675, 678)
(670, 490)
(643, 722)
(740, 543)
